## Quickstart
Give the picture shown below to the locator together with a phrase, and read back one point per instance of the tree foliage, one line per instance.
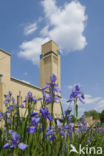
(102, 116)
(93, 113)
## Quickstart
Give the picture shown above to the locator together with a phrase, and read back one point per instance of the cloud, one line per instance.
(100, 105)
(64, 101)
(65, 25)
(68, 24)
(90, 99)
(81, 110)
(72, 86)
(30, 50)
(30, 28)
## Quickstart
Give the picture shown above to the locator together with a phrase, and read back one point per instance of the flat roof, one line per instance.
(5, 52)
(30, 85)
(50, 41)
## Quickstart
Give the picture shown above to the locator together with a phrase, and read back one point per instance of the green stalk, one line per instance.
(75, 111)
(52, 104)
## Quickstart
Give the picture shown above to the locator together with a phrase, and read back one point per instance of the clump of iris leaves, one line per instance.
(40, 133)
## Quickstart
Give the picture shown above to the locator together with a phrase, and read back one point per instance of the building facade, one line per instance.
(49, 64)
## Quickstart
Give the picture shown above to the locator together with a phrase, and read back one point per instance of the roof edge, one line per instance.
(5, 52)
(20, 81)
(48, 42)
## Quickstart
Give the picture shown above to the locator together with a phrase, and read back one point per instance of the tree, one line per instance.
(102, 117)
(93, 113)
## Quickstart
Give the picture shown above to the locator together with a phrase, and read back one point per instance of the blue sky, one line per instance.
(76, 26)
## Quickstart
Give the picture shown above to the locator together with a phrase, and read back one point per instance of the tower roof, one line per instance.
(50, 46)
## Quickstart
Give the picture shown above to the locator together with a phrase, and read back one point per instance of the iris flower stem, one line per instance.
(14, 153)
(75, 111)
(68, 145)
(52, 102)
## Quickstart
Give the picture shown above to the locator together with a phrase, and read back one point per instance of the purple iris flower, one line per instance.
(35, 120)
(56, 99)
(56, 89)
(0, 115)
(97, 130)
(15, 136)
(83, 121)
(66, 127)
(6, 102)
(53, 78)
(22, 146)
(76, 94)
(9, 121)
(52, 138)
(89, 140)
(50, 118)
(26, 99)
(10, 131)
(58, 123)
(30, 98)
(15, 141)
(45, 113)
(47, 98)
(45, 87)
(82, 96)
(70, 118)
(31, 130)
(13, 99)
(7, 145)
(21, 106)
(10, 93)
(4, 114)
(49, 128)
(7, 98)
(81, 100)
(62, 133)
(70, 135)
(33, 114)
(77, 87)
(29, 94)
(50, 132)
(71, 127)
(10, 107)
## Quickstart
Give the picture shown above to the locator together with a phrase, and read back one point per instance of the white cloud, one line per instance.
(64, 101)
(44, 31)
(72, 86)
(30, 50)
(81, 110)
(68, 24)
(100, 105)
(30, 28)
(90, 99)
(65, 25)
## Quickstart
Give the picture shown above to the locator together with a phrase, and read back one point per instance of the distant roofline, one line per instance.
(30, 85)
(5, 52)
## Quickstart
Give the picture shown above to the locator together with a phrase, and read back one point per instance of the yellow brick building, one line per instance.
(49, 64)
